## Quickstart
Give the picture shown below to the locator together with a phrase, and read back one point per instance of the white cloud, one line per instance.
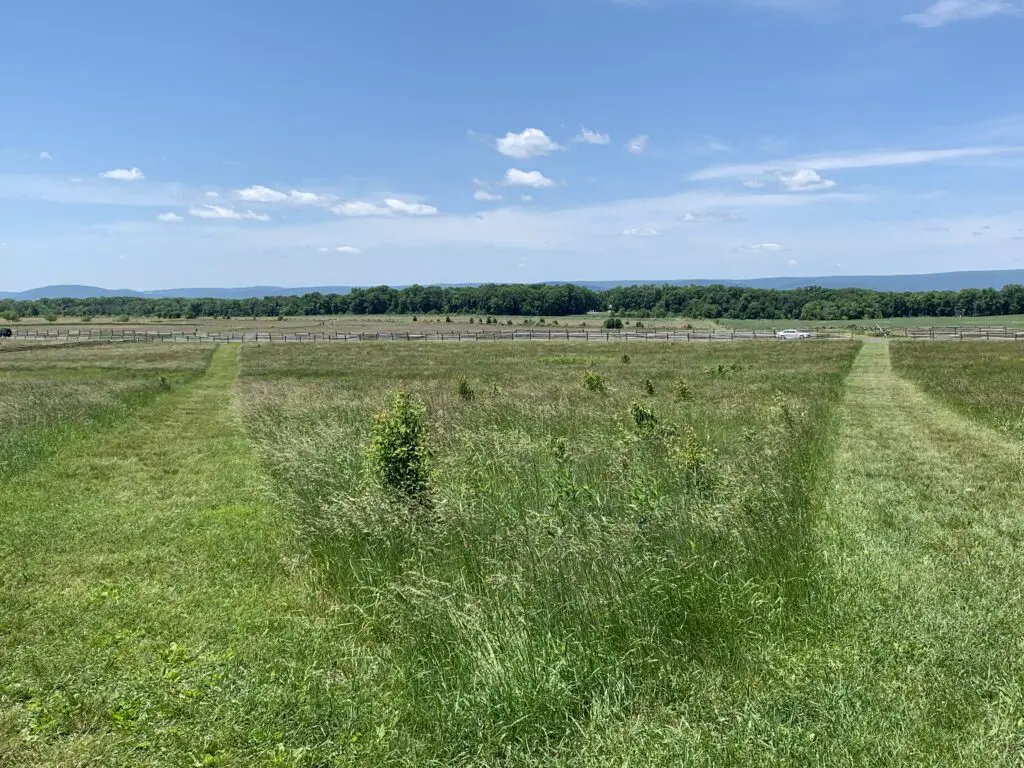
(793, 262)
(639, 232)
(944, 12)
(592, 137)
(170, 218)
(861, 160)
(804, 180)
(260, 194)
(220, 212)
(309, 198)
(45, 156)
(124, 174)
(517, 178)
(360, 208)
(753, 184)
(485, 197)
(527, 198)
(212, 195)
(529, 143)
(410, 209)
(637, 145)
(765, 247)
(391, 205)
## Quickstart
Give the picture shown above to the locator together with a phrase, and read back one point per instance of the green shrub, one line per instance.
(593, 381)
(397, 455)
(681, 391)
(648, 387)
(696, 461)
(50, 318)
(643, 417)
(626, 359)
(125, 319)
(614, 323)
(464, 390)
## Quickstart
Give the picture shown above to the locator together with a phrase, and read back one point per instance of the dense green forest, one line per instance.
(556, 300)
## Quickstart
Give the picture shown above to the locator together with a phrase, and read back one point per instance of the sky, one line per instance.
(151, 146)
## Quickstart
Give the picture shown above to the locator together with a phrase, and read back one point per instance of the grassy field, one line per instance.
(462, 324)
(710, 555)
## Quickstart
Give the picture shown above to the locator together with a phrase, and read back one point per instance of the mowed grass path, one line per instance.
(146, 612)
(924, 530)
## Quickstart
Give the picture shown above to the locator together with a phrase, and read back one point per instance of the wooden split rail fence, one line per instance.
(527, 335)
(961, 333)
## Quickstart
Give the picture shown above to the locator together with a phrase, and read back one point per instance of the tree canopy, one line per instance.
(695, 301)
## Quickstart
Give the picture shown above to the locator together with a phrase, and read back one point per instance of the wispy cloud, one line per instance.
(45, 156)
(170, 218)
(640, 232)
(858, 160)
(124, 174)
(220, 212)
(592, 137)
(517, 178)
(261, 194)
(409, 209)
(360, 208)
(944, 12)
(637, 145)
(530, 143)
(484, 196)
(763, 247)
(392, 205)
(341, 249)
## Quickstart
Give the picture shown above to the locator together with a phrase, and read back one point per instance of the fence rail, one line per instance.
(937, 333)
(960, 332)
(512, 335)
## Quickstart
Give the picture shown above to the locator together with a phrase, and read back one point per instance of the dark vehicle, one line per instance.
(5, 333)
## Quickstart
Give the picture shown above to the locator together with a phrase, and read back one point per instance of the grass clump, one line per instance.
(464, 390)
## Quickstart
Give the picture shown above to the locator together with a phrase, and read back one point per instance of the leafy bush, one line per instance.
(397, 455)
(648, 387)
(50, 318)
(593, 381)
(614, 323)
(11, 316)
(681, 391)
(124, 319)
(643, 417)
(626, 359)
(696, 460)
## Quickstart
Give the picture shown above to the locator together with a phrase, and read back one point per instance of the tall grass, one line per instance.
(46, 393)
(983, 379)
(573, 568)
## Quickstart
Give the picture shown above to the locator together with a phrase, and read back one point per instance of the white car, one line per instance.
(792, 335)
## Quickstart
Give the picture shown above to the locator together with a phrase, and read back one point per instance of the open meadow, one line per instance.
(456, 323)
(512, 554)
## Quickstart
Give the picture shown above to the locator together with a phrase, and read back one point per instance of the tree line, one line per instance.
(693, 301)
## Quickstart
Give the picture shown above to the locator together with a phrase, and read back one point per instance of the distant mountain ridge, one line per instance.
(939, 281)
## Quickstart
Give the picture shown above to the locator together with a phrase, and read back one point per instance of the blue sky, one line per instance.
(222, 144)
